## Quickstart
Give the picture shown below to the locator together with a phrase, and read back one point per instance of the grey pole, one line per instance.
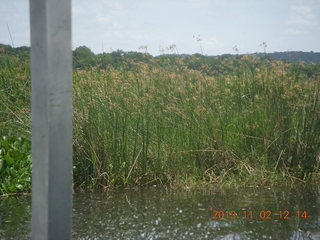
(51, 71)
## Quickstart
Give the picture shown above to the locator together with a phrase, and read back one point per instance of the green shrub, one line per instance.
(15, 165)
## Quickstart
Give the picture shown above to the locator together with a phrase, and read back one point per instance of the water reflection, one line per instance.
(153, 213)
(15, 214)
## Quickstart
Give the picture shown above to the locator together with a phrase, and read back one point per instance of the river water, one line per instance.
(287, 212)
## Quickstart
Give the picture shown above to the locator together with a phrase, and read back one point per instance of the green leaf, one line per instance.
(9, 159)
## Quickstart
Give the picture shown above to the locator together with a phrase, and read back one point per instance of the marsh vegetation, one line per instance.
(179, 120)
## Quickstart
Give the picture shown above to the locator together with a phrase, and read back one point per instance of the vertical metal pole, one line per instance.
(51, 71)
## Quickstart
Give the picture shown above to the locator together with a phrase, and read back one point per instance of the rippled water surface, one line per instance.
(155, 213)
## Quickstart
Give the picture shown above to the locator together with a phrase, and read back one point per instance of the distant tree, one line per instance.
(137, 56)
(117, 57)
(104, 60)
(10, 55)
(4, 48)
(21, 52)
(83, 57)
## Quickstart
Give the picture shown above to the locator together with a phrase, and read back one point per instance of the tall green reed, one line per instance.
(254, 121)
(157, 125)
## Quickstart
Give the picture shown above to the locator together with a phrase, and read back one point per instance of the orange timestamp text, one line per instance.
(263, 214)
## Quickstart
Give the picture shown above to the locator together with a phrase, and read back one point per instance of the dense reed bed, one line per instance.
(156, 123)
(173, 125)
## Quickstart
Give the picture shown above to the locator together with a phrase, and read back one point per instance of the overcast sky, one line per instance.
(219, 25)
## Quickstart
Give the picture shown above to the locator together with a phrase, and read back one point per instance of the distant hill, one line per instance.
(293, 56)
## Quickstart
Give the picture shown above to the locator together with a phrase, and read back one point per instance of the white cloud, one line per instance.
(302, 19)
(302, 16)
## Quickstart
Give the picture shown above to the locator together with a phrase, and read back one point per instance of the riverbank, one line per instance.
(232, 121)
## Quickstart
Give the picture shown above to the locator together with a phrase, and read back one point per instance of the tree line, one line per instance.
(84, 58)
